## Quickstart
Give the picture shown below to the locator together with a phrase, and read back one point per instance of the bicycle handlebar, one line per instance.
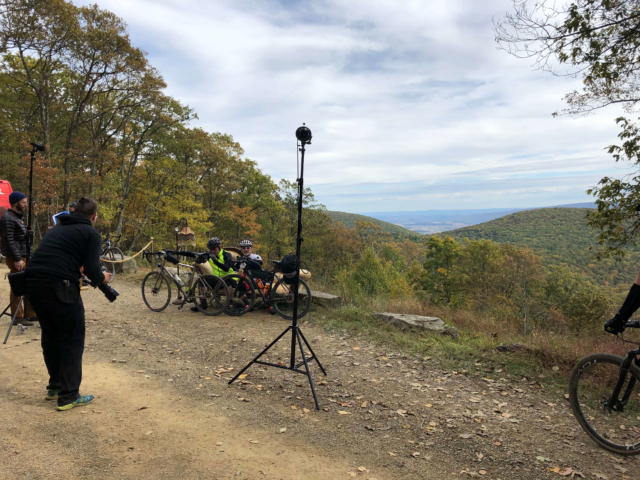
(632, 325)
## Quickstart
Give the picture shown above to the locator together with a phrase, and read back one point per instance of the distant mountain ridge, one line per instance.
(558, 235)
(434, 221)
(349, 220)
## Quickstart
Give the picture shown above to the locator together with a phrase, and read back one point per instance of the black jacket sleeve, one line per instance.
(92, 267)
(228, 261)
(14, 247)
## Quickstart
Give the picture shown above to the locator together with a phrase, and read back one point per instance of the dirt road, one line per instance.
(168, 413)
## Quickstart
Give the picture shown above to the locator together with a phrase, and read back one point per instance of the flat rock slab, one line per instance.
(405, 321)
(326, 299)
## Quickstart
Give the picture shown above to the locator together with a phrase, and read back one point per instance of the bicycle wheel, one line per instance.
(111, 267)
(211, 295)
(115, 254)
(243, 294)
(590, 388)
(281, 297)
(156, 291)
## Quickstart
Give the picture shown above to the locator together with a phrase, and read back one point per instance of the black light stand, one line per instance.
(37, 147)
(303, 134)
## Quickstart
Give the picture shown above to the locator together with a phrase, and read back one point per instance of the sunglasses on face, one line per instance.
(246, 248)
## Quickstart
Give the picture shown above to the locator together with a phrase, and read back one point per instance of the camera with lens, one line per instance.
(106, 289)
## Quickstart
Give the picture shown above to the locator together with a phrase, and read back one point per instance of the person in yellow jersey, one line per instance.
(220, 260)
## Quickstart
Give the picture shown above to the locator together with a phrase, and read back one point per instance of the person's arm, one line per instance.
(10, 232)
(228, 262)
(92, 267)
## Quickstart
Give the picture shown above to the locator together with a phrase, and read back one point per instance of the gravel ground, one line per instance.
(163, 408)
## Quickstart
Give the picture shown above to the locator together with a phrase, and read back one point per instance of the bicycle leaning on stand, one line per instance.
(601, 394)
(273, 291)
(209, 293)
(112, 254)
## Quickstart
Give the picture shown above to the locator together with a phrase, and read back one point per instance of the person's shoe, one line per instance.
(85, 282)
(52, 394)
(23, 321)
(83, 400)
(178, 301)
(194, 309)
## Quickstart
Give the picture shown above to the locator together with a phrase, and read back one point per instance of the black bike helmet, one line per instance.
(213, 243)
(246, 243)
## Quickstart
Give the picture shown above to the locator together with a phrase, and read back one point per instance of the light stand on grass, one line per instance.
(303, 134)
(37, 147)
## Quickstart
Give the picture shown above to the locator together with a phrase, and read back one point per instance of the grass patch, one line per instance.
(474, 352)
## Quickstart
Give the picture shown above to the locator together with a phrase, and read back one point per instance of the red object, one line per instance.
(5, 191)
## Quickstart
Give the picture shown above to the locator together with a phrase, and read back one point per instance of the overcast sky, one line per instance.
(411, 105)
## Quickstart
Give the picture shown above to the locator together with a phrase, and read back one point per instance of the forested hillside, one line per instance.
(557, 235)
(349, 220)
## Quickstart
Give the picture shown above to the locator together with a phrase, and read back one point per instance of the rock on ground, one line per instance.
(130, 265)
(326, 299)
(404, 321)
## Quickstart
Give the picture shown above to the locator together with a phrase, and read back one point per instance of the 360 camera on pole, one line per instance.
(298, 341)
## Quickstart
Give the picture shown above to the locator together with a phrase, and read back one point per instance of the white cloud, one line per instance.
(400, 96)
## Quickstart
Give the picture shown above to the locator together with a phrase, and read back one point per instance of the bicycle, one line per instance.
(274, 292)
(111, 253)
(595, 388)
(209, 293)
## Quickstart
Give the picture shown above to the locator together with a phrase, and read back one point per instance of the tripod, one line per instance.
(23, 300)
(20, 300)
(297, 338)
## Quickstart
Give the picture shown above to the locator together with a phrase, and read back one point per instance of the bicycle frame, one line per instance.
(272, 282)
(614, 403)
(193, 278)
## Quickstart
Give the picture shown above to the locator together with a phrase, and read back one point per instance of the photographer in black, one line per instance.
(53, 281)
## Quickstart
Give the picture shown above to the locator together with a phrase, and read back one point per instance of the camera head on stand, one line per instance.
(106, 289)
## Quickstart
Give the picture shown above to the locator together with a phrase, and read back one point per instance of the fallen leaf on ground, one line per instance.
(254, 441)
(564, 472)
(342, 412)
(142, 408)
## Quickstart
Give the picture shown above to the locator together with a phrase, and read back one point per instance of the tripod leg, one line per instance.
(13, 319)
(4, 312)
(259, 355)
(306, 366)
(313, 354)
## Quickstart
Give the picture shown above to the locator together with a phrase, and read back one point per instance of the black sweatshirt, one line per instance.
(70, 245)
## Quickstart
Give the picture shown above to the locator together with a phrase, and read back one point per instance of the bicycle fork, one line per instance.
(614, 403)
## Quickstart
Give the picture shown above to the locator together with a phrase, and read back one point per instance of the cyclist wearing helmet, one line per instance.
(221, 261)
(245, 247)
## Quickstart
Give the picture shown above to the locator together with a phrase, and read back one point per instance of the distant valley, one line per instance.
(436, 221)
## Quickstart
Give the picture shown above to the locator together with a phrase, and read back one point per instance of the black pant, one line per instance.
(63, 332)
